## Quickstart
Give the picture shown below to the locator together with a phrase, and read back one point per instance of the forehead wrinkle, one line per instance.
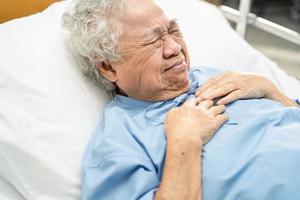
(157, 30)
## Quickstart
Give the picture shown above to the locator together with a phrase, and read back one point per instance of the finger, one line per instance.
(233, 96)
(223, 90)
(211, 82)
(206, 104)
(190, 102)
(216, 110)
(216, 81)
(221, 119)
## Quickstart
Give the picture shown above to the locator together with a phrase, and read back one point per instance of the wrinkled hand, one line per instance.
(194, 122)
(231, 86)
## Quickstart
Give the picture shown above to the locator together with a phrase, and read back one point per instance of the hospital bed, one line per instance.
(243, 17)
(48, 109)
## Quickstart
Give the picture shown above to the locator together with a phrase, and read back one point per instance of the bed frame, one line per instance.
(243, 17)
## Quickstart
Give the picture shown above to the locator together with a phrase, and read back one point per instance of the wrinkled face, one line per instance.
(155, 60)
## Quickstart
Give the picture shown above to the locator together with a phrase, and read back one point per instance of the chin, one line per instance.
(174, 92)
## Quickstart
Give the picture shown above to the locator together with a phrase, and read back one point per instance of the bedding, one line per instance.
(48, 109)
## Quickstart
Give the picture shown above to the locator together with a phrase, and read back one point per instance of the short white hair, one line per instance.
(93, 36)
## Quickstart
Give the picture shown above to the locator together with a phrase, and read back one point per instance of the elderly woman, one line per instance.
(150, 142)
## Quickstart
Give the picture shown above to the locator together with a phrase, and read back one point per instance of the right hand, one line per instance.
(194, 122)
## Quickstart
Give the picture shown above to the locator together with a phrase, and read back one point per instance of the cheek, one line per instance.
(143, 70)
(147, 62)
(152, 68)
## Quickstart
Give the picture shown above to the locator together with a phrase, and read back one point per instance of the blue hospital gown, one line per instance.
(254, 156)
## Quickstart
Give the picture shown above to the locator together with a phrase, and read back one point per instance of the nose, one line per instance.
(171, 48)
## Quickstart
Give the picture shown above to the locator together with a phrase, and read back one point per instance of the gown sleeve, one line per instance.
(120, 177)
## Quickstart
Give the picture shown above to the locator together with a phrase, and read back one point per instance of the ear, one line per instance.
(106, 70)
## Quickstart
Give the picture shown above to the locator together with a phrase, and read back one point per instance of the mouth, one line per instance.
(178, 65)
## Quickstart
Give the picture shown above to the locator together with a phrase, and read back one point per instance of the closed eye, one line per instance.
(154, 41)
(175, 32)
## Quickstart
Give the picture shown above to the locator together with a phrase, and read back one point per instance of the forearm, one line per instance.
(182, 172)
(277, 95)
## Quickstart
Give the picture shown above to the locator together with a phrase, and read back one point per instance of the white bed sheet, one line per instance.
(48, 110)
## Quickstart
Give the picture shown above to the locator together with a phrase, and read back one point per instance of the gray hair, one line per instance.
(93, 36)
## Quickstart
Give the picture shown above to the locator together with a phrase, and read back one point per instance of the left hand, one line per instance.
(231, 86)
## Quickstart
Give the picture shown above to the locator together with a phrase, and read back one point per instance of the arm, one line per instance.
(277, 95)
(182, 172)
(231, 86)
(187, 129)
(112, 174)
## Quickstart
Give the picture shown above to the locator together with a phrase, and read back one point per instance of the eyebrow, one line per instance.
(158, 29)
(173, 23)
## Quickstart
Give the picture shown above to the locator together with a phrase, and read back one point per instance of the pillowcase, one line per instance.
(48, 109)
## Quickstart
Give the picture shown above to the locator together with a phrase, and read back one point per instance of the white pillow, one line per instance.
(48, 110)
